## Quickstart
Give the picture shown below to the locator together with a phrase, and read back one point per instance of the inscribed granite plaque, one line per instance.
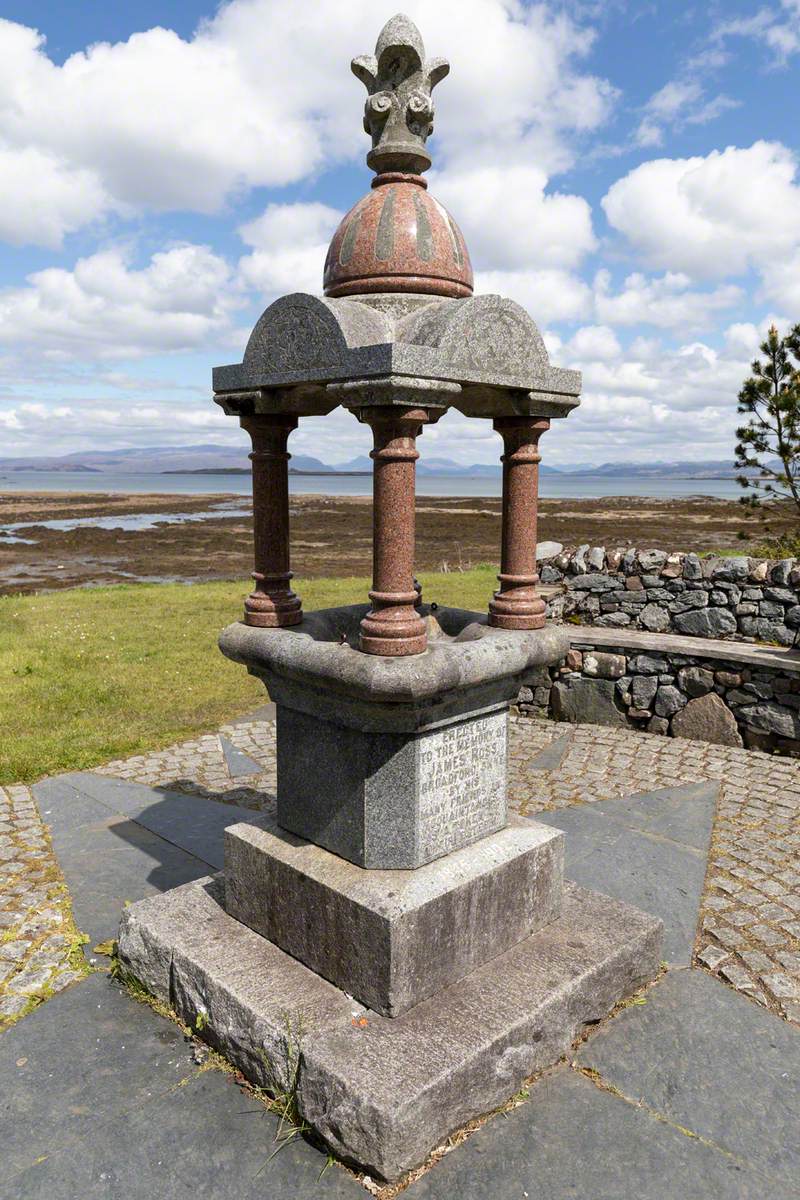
(462, 784)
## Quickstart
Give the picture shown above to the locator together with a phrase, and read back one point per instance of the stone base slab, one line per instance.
(383, 1092)
(392, 938)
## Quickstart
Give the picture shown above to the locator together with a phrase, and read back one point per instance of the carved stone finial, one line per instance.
(399, 110)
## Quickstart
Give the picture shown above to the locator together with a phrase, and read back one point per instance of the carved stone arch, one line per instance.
(485, 333)
(296, 333)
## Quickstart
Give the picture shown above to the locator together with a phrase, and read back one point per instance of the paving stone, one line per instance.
(573, 1139)
(712, 956)
(630, 849)
(110, 1100)
(30, 981)
(11, 1005)
(713, 1063)
(739, 978)
(782, 985)
(14, 951)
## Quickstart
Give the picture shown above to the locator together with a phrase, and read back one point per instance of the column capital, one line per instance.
(268, 428)
(521, 437)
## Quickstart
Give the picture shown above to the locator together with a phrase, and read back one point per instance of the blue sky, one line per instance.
(628, 172)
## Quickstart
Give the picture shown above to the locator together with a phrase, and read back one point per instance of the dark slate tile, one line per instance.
(64, 807)
(89, 1053)
(714, 1062)
(552, 756)
(571, 1139)
(194, 823)
(109, 861)
(684, 814)
(205, 1140)
(649, 850)
(239, 763)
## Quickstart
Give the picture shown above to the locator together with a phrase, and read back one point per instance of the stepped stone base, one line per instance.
(383, 1092)
(392, 938)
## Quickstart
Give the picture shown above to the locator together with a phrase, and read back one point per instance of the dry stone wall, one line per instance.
(677, 694)
(740, 598)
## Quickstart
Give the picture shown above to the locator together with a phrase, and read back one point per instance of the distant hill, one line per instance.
(715, 469)
(209, 457)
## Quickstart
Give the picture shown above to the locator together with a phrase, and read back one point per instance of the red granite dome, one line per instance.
(398, 238)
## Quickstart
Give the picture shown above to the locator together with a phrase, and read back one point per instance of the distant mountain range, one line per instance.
(212, 458)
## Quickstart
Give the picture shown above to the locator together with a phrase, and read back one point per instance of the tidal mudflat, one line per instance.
(119, 538)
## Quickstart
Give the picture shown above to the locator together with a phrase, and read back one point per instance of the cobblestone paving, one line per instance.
(38, 941)
(749, 930)
(200, 768)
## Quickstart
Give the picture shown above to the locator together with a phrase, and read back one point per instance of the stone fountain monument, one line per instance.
(391, 946)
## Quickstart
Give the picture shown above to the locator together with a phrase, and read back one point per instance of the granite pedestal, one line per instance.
(406, 964)
(391, 763)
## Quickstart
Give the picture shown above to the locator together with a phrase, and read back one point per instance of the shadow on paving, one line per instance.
(118, 842)
(101, 1100)
(650, 849)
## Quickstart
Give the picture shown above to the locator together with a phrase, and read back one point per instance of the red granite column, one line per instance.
(272, 602)
(393, 625)
(517, 605)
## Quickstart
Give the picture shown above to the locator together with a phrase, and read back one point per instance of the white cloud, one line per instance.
(261, 95)
(652, 400)
(509, 221)
(781, 283)
(596, 343)
(678, 103)
(667, 302)
(183, 299)
(778, 29)
(548, 295)
(289, 244)
(44, 198)
(712, 216)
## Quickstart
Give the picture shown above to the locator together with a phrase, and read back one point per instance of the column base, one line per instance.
(516, 604)
(272, 612)
(394, 627)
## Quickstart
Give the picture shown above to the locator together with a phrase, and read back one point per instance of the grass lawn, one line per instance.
(94, 674)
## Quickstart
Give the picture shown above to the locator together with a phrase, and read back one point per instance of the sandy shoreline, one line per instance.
(331, 535)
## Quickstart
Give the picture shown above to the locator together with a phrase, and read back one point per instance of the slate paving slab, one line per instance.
(551, 756)
(205, 1140)
(649, 850)
(101, 1098)
(574, 1141)
(193, 823)
(118, 842)
(89, 1053)
(708, 1060)
(237, 761)
(107, 859)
